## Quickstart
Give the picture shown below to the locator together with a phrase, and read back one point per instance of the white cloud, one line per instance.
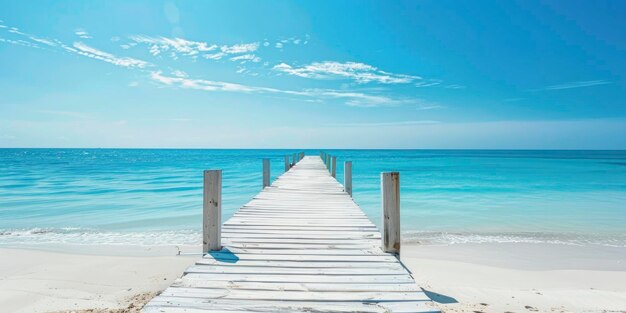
(265, 44)
(15, 30)
(579, 84)
(214, 56)
(279, 45)
(115, 38)
(82, 34)
(93, 53)
(359, 72)
(240, 48)
(428, 83)
(19, 42)
(246, 57)
(133, 84)
(351, 98)
(179, 45)
(455, 87)
(78, 48)
(179, 73)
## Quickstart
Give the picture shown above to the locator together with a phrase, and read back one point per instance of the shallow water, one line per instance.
(153, 197)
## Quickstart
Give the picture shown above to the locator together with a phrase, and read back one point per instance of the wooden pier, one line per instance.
(301, 245)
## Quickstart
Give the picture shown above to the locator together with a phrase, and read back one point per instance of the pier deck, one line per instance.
(301, 245)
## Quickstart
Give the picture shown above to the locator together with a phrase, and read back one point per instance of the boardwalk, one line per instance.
(301, 245)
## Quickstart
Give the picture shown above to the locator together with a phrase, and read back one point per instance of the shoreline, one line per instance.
(508, 277)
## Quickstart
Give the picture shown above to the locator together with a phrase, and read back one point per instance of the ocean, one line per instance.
(153, 197)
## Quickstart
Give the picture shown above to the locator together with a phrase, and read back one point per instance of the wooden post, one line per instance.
(390, 189)
(334, 166)
(287, 165)
(328, 161)
(266, 172)
(212, 211)
(347, 177)
(294, 159)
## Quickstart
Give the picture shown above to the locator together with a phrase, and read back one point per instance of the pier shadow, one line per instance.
(224, 255)
(439, 298)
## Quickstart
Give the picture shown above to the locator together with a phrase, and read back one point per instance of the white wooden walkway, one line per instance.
(301, 245)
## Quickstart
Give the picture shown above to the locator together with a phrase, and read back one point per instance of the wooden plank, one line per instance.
(236, 294)
(299, 257)
(301, 244)
(193, 305)
(297, 264)
(346, 279)
(298, 286)
(293, 271)
(307, 251)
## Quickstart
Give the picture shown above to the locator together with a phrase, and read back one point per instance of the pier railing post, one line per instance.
(390, 190)
(328, 161)
(294, 159)
(334, 166)
(347, 177)
(266, 172)
(287, 165)
(212, 211)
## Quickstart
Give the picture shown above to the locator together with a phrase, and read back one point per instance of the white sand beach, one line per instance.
(518, 277)
(462, 278)
(42, 281)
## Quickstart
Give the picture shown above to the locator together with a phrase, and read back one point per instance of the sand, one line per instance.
(461, 278)
(520, 277)
(40, 281)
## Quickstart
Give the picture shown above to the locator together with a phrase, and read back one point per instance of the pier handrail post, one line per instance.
(334, 166)
(287, 165)
(212, 211)
(266, 172)
(294, 159)
(390, 190)
(347, 177)
(328, 161)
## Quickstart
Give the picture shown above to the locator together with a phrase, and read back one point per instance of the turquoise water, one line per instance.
(153, 197)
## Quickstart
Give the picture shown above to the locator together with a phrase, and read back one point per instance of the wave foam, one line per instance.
(81, 236)
(451, 238)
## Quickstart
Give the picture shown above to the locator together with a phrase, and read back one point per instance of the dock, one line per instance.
(301, 245)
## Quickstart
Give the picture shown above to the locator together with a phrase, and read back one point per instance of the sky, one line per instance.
(313, 74)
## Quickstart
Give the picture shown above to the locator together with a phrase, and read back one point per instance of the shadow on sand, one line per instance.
(439, 298)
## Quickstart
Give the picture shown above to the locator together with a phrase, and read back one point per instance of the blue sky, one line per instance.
(334, 74)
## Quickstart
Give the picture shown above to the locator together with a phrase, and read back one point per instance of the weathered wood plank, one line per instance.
(300, 245)
(231, 293)
(194, 305)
